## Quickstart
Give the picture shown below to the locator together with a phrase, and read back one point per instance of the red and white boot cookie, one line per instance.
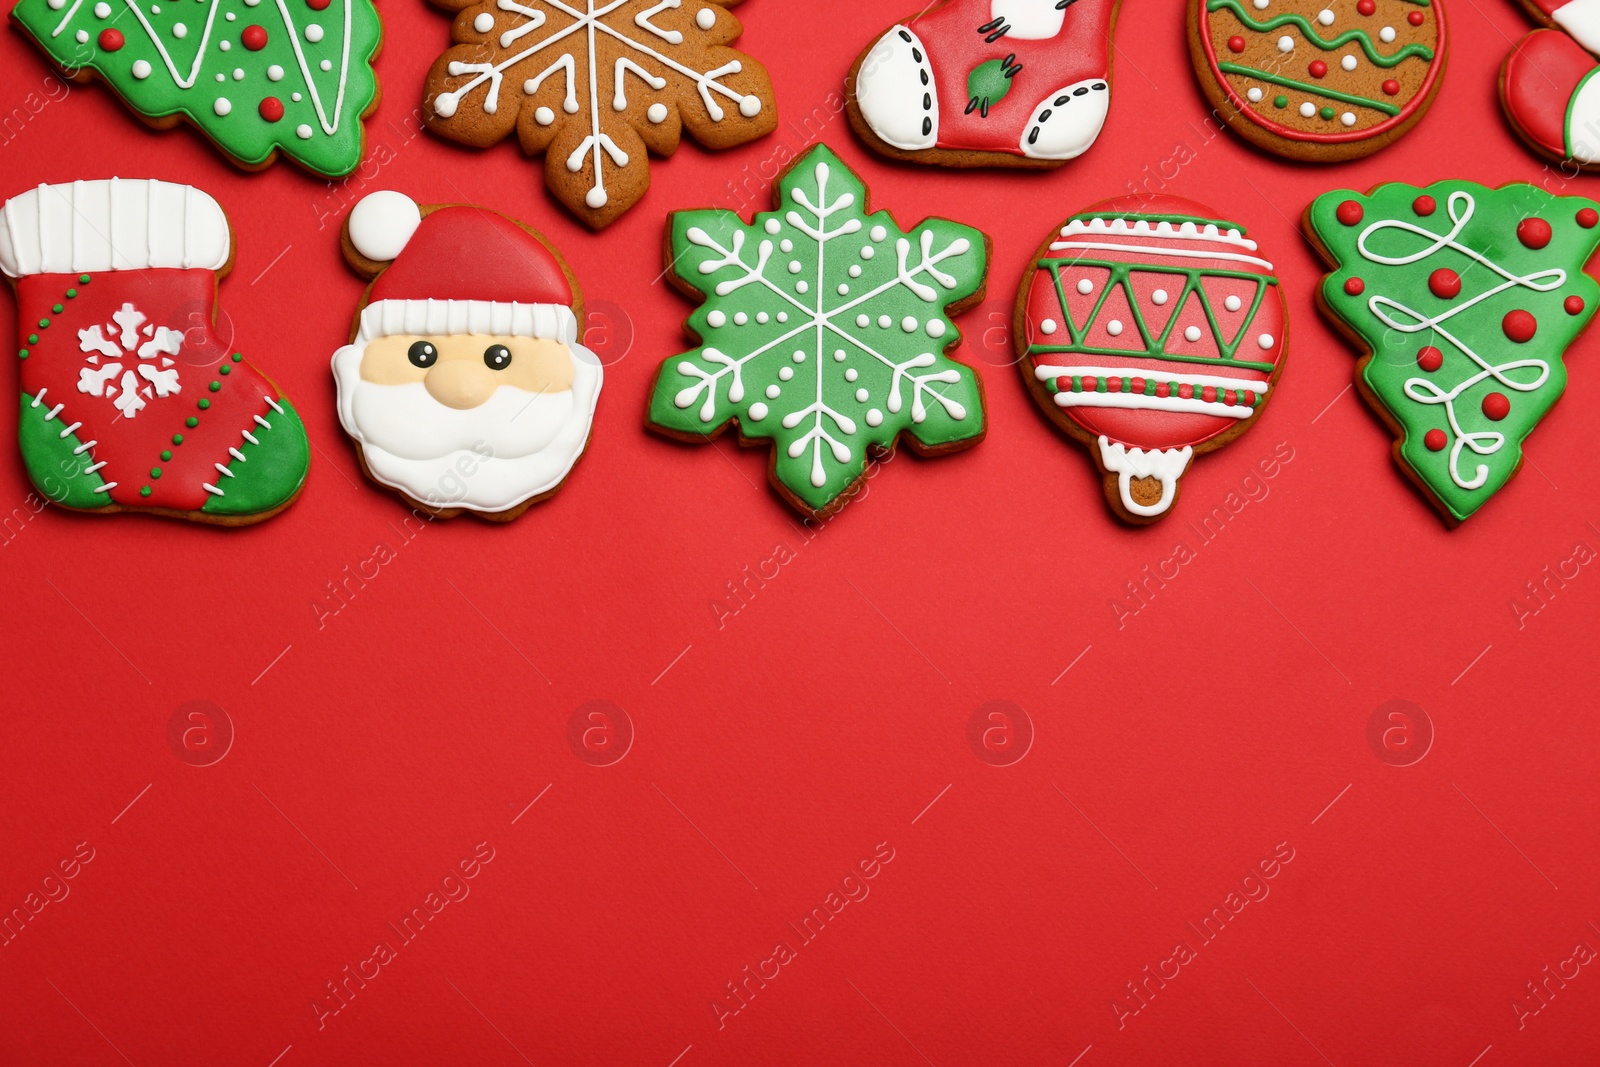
(1580, 18)
(988, 82)
(1548, 87)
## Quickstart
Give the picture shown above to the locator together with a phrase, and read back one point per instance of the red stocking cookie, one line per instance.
(1022, 83)
(1550, 94)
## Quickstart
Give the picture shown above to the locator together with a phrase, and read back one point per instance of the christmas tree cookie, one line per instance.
(825, 332)
(1464, 300)
(255, 76)
(129, 400)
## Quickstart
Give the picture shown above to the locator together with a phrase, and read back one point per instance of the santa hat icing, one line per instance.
(112, 224)
(460, 270)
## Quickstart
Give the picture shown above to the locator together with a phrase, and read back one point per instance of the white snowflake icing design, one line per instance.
(589, 19)
(138, 363)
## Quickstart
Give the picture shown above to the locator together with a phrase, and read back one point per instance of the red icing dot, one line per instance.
(1349, 213)
(1366, 7)
(317, 5)
(1354, 286)
(110, 39)
(1113, 384)
(1535, 233)
(1090, 382)
(271, 109)
(1138, 385)
(1391, 87)
(1208, 393)
(1588, 217)
(1574, 305)
(1445, 283)
(1496, 406)
(1415, 18)
(1435, 440)
(1063, 384)
(1163, 389)
(1236, 44)
(1430, 359)
(1318, 68)
(254, 38)
(1424, 205)
(1520, 326)
(1186, 391)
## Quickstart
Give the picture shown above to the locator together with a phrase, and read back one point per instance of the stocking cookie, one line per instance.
(593, 88)
(825, 332)
(256, 78)
(1548, 88)
(130, 399)
(1009, 83)
(465, 385)
(1463, 300)
(1319, 80)
(1152, 330)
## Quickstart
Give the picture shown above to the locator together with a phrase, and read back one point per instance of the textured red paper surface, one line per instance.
(776, 743)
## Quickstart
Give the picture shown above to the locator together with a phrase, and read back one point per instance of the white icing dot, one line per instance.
(222, 106)
(230, 16)
(82, 36)
(801, 287)
(773, 390)
(275, 73)
(838, 357)
(1048, 327)
(1386, 35)
(884, 322)
(783, 316)
(303, 132)
(855, 270)
(874, 417)
(326, 64)
(935, 327)
(758, 411)
(141, 69)
(717, 319)
(1307, 109)
(741, 319)
(295, 97)
(224, 45)
(844, 290)
(1254, 93)
(786, 245)
(238, 74)
(761, 317)
(313, 33)
(705, 18)
(794, 266)
(862, 395)
(57, 5)
(1191, 334)
(102, 11)
(483, 23)
(1085, 286)
(1265, 341)
(750, 107)
(786, 373)
(1348, 62)
(1286, 43)
(799, 355)
(1261, 5)
(773, 226)
(1325, 16)
(851, 374)
(909, 324)
(179, 30)
(221, 77)
(1232, 303)
(1158, 297)
(1114, 327)
(863, 321)
(1348, 118)
(878, 233)
(657, 113)
(543, 116)
(867, 252)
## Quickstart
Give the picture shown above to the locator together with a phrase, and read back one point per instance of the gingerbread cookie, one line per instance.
(825, 332)
(130, 399)
(256, 78)
(1463, 300)
(1007, 83)
(1152, 330)
(1319, 80)
(465, 383)
(1548, 88)
(593, 88)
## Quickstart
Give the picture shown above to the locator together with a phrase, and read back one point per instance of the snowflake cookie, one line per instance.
(825, 332)
(255, 76)
(593, 85)
(1464, 300)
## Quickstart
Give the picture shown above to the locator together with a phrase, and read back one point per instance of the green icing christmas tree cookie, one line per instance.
(256, 76)
(825, 331)
(1465, 299)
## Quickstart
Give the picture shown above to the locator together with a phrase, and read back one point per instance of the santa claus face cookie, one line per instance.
(465, 385)
(1319, 80)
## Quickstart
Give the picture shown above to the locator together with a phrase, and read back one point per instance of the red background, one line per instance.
(775, 747)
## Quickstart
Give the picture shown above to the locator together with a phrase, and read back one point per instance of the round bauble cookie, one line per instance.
(1151, 330)
(1319, 80)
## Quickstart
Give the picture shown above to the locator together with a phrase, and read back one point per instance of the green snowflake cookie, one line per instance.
(256, 76)
(1466, 299)
(825, 332)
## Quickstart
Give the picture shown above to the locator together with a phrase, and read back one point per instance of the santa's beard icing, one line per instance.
(515, 446)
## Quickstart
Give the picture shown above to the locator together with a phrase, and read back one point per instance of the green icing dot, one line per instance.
(1326, 112)
(203, 405)
(33, 338)
(237, 356)
(177, 438)
(83, 279)
(190, 422)
(144, 491)
(22, 353)
(58, 308)
(224, 369)
(166, 454)
(44, 324)
(71, 293)
(155, 472)
(214, 387)
(1280, 101)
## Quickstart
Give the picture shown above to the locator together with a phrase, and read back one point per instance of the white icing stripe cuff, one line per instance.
(1140, 402)
(112, 224)
(1044, 373)
(1581, 19)
(446, 317)
(1156, 250)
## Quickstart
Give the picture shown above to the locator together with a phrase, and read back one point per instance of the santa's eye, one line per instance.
(423, 354)
(497, 357)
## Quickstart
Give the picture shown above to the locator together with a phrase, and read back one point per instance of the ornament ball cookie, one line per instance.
(1152, 330)
(1319, 80)
(130, 399)
(465, 384)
